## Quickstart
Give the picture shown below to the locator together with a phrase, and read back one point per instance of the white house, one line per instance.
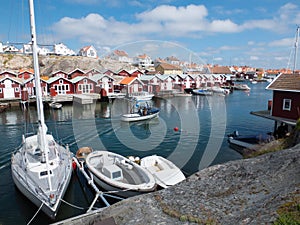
(1, 47)
(121, 56)
(27, 49)
(143, 61)
(10, 49)
(88, 51)
(61, 49)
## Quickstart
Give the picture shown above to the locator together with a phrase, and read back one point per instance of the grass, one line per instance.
(279, 144)
(180, 216)
(289, 213)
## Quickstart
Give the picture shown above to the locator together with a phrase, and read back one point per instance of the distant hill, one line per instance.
(50, 64)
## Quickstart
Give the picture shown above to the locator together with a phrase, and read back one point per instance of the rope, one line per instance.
(74, 206)
(36, 213)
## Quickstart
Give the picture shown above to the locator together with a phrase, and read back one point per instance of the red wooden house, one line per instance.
(131, 85)
(29, 84)
(60, 86)
(92, 72)
(124, 73)
(60, 73)
(135, 73)
(25, 74)
(75, 73)
(109, 72)
(151, 83)
(286, 96)
(8, 73)
(83, 85)
(10, 87)
(103, 81)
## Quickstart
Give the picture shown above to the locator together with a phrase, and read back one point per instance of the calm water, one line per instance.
(201, 140)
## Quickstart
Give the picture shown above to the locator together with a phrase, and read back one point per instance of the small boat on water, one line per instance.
(165, 172)
(114, 172)
(55, 105)
(242, 87)
(142, 111)
(4, 106)
(141, 95)
(202, 91)
(251, 142)
(220, 90)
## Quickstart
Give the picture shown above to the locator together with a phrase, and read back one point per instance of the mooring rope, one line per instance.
(74, 206)
(36, 213)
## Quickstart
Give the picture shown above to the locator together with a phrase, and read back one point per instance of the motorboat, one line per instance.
(242, 87)
(202, 91)
(141, 111)
(55, 105)
(116, 173)
(220, 90)
(41, 168)
(250, 142)
(165, 172)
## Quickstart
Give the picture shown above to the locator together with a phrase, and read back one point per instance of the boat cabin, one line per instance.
(113, 172)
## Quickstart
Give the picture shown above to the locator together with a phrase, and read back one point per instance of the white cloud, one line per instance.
(254, 58)
(282, 43)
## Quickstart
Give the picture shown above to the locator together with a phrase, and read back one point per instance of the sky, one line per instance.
(256, 33)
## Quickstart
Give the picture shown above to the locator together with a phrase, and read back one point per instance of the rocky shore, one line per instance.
(52, 63)
(248, 191)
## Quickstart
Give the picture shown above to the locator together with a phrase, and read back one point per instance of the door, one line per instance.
(8, 91)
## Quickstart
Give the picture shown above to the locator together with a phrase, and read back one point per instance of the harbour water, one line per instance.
(203, 123)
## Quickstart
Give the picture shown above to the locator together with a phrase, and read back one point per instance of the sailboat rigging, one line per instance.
(41, 168)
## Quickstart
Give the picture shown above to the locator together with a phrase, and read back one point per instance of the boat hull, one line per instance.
(202, 92)
(165, 172)
(115, 190)
(134, 117)
(47, 209)
(118, 175)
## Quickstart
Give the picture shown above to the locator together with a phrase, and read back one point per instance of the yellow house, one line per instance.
(168, 69)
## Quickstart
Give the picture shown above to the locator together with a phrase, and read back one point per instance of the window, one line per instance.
(0, 90)
(17, 89)
(61, 81)
(287, 104)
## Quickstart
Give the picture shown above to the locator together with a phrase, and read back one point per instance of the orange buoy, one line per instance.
(176, 129)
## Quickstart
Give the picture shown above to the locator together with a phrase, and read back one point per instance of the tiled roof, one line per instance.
(127, 80)
(286, 82)
(221, 70)
(168, 66)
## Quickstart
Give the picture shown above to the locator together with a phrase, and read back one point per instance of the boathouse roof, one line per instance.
(285, 82)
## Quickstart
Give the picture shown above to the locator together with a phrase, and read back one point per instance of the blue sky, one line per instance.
(258, 33)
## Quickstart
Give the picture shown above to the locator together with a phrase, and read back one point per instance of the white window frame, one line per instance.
(0, 90)
(285, 106)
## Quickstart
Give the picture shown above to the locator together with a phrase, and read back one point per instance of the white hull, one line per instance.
(114, 172)
(47, 209)
(202, 92)
(27, 169)
(55, 105)
(134, 117)
(164, 171)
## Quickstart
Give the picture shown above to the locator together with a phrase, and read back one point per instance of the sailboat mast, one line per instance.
(296, 49)
(42, 129)
(36, 65)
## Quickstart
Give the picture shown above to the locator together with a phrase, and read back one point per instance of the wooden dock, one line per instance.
(85, 99)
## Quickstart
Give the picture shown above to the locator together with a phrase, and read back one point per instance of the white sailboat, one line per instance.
(41, 168)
